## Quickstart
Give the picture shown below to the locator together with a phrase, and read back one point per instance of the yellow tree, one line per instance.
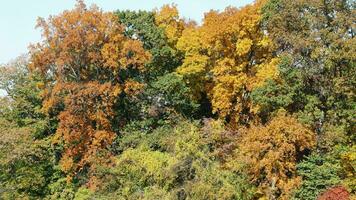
(232, 56)
(88, 63)
(168, 18)
(271, 152)
(195, 68)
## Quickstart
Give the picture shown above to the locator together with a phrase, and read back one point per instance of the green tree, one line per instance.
(165, 91)
(142, 25)
(318, 173)
(316, 41)
(27, 163)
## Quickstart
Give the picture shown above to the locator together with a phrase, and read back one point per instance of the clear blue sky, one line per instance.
(18, 17)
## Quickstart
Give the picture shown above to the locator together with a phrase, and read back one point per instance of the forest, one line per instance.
(254, 103)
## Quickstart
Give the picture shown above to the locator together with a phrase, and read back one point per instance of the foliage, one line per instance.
(348, 163)
(170, 91)
(339, 193)
(25, 169)
(26, 155)
(89, 61)
(23, 102)
(165, 91)
(168, 18)
(181, 168)
(143, 26)
(256, 102)
(227, 57)
(318, 73)
(271, 153)
(318, 173)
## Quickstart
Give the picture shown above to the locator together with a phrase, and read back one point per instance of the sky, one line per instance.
(18, 17)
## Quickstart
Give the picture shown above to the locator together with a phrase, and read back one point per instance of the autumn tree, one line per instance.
(167, 17)
(271, 153)
(226, 58)
(89, 64)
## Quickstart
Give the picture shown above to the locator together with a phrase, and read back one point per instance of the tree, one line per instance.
(27, 164)
(318, 173)
(271, 153)
(256, 102)
(166, 93)
(171, 92)
(231, 56)
(89, 64)
(23, 90)
(168, 18)
(142, 25)
(316, 39)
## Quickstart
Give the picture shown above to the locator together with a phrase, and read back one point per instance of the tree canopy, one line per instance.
(256, 102)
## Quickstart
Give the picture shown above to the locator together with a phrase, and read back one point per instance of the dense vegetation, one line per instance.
(257, 102)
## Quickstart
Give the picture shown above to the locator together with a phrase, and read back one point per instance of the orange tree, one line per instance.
(90, 66)
(271, 153)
